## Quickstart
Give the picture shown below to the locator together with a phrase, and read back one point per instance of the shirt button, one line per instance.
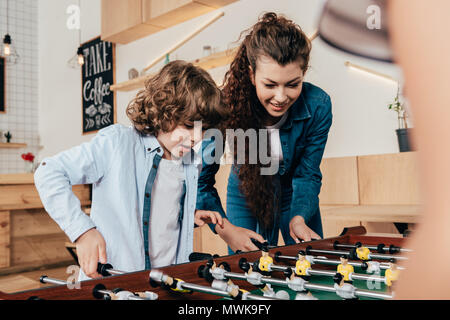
(44, 163)
(145, 223)
(154, 166)
(147, 195)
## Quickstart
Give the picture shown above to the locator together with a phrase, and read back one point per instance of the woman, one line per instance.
(264, 89)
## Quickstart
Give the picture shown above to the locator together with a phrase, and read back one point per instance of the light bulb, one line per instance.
(6, 50)
(80, 59)
(80, 56)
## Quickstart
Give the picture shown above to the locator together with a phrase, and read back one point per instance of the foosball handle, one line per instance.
(102, 269)
(41, 279)
(380, 248)
(242, 262)
(99, 295)
(277, 255)
(393, 249)
(335, 245)
(197, 256)
(203, 272)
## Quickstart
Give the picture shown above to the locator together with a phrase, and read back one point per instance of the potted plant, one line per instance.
(402, 131)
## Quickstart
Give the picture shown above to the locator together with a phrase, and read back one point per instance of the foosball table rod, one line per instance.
(315, 272)
(158, 276)
(108, 270)
(380, 248)
(100, 291)
(305, 285)
(323, 260)
(310, 250)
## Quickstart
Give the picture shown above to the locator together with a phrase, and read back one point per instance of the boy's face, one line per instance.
(180, 141)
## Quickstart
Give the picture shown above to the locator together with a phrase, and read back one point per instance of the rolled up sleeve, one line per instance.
(84, 164)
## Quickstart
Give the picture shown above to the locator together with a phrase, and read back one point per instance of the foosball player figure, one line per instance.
(363, 253)
(216, 276)
(265, 262)
(167, 282)
(345, 269)
(254, 278)
(212, 271)
(344, 289)
(297, 283)
(229, 287)
(391, 274)
(302, 266)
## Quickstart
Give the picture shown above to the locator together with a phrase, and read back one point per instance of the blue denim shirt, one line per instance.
(121, 165)
(303, 137)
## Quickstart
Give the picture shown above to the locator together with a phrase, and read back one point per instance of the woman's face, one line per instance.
(180, 141)
(277, 86)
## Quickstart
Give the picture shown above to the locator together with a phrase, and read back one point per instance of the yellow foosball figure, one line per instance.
(391, 274)
(265, 261)
(363, 253)
(345, 269)
(302, 265)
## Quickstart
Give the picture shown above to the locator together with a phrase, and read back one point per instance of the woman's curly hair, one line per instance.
(179, 94)
(283, 41)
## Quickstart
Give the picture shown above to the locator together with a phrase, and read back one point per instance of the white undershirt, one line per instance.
(165, 208)
(274, 136)
(275, 143)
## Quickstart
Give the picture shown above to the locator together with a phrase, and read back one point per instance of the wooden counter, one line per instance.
(29, 238)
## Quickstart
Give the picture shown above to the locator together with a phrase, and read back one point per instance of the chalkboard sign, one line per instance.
(97, 75)
(2, 85)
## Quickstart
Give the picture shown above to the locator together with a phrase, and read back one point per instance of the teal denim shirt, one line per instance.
(303, 137)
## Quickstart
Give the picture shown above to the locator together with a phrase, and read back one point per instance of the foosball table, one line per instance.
(351, 266)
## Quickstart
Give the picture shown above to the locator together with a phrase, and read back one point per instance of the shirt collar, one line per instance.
(152, 145)
(298, 111)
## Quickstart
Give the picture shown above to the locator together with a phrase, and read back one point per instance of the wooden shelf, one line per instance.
(127, 21)
(12, 145)
(212, 61)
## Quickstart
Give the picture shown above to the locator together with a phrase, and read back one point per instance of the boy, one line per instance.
(144, 178)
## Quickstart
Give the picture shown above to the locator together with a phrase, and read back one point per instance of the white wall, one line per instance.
(362, 122)
(21, 87)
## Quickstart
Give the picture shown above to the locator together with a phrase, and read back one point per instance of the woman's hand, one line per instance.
(202, 216)
(238, 238)
(91, 248)
(300, 231)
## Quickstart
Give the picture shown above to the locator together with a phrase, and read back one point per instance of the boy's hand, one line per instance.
(202, 216)
(91, 248)
(299, 230)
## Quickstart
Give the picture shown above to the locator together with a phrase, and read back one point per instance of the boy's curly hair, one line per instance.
(179, 94)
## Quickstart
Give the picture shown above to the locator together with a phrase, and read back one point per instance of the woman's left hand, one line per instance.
(300, 231)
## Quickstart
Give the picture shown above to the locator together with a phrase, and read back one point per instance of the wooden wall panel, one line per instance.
(389, 179)
(32, 222)
(339, 181)
(4, 239)
(24, 196)
(39, 250)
